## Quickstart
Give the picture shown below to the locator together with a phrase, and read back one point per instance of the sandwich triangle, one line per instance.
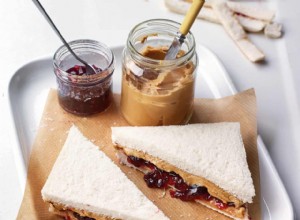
(213, 151)
(83, 177)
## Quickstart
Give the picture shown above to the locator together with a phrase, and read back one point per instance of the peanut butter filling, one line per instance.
(229, 211)
(157, 96)
(64, 211)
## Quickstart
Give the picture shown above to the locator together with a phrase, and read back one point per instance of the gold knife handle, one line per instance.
(191, 16)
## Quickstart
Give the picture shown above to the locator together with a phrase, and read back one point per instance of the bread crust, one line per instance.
(238, 211)
(236, 32)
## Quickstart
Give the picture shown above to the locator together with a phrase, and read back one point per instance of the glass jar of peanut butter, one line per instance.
(157, 91)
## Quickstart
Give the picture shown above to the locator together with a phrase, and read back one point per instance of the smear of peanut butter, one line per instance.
(144, 38)
(158, 53)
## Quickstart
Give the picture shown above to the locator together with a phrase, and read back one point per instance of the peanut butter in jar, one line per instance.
(157, 91)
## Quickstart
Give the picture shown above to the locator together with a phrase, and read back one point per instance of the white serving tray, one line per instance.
(30, 84)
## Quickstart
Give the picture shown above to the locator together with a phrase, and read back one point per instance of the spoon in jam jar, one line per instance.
(89, 68)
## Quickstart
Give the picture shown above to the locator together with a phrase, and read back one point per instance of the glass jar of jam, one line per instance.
(79, 92)
(157, 91)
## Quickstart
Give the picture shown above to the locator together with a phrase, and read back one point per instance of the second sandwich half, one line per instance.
(205, 163)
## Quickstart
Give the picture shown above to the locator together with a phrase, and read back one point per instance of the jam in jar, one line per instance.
(80, 92)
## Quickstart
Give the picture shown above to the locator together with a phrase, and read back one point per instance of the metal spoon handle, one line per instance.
(49, 20)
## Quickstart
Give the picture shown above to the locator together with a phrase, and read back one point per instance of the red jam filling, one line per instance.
(79, 217)
(80, 70)
(157, 178)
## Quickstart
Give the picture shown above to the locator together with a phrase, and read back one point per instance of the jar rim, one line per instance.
(84, 79)
(167, 23)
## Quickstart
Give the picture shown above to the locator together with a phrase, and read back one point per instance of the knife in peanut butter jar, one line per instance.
(184, 29)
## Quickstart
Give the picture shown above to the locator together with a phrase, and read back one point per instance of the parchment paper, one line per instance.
(55, 124)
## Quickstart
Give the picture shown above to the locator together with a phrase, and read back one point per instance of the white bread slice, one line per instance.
(212, 151)
(252, 11)
(84, 178)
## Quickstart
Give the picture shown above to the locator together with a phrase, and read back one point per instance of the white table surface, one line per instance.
(25, 35)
